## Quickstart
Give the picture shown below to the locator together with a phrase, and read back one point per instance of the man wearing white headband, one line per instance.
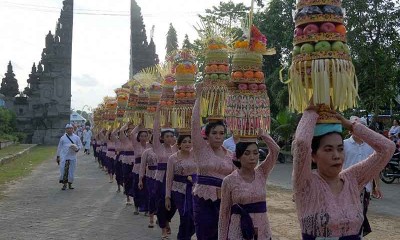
(68, 147)
(356, 151)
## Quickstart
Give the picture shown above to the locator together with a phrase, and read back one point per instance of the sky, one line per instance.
(101, 38)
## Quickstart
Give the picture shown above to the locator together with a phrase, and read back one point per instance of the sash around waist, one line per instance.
(184, 179)
(207, 180)
(309, 237)
(152, 167)
(161, 166)
(111, 149)
(138, 160)
(258, 207)
(129, 153)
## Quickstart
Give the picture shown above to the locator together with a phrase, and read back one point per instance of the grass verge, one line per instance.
(13, 149)
(24, 164)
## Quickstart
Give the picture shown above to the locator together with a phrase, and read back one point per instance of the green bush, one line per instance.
(8, 121)
(21, 136)
(8, 137)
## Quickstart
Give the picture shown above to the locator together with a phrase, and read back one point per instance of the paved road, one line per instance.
(281, 176)
(36, 208)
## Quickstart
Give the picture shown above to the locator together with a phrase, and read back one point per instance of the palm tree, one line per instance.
(283, 128)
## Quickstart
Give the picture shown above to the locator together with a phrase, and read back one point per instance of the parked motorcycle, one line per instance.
(391, 170)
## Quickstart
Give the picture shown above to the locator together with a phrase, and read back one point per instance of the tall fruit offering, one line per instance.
(248, 108)
(185, 72)
(321, 65)
(215, 39)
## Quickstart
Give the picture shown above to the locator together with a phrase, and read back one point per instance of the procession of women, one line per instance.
(160, 138)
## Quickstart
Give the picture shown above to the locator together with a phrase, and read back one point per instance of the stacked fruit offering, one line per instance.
(185, 71)
(215, 79)
(122, 101)
(167, 93)
(248, 103)
(141, 107)
(154, 96)
(321, 64)
(167, 100)
(132, 102)
(319, 28)
(110, 107)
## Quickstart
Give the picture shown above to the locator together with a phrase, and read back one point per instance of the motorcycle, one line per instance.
(391, 170)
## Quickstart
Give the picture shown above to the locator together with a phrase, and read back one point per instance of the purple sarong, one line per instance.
(206, 215)
(110, 166)
(118, 171)
(127, 175)
(186, 224)
(140, 196)
(150, 187)
(163, 215)
(188, 203)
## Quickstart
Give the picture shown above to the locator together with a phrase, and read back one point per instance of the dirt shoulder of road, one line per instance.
(284, 224)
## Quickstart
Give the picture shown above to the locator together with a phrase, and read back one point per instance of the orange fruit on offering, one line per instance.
(237, 75)
(341, 29)
(259, 75)
(214, 67)
(249, 74)
(221, 68)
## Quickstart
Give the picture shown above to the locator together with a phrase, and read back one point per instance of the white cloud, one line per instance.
(100, 42)
(84, 80)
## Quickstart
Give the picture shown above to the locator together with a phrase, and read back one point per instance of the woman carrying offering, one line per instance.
(181, 170)
(163, 151)
(118, 163)
(140, 143)
(110, 154)
(127, 159)
(214, 163)
(148, 168)
(243, 213)
(328, 198)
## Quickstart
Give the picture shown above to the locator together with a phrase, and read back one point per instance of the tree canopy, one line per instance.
(9, 84)
(373, 35)
(172, 39)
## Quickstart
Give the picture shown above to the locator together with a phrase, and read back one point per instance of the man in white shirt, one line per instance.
(68, 147)
(355, 151)
(87, 138)
(230, 143)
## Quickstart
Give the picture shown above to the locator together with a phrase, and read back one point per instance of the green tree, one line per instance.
(284, 126)
(172, 39)
(8, 121)
(373, 35)
(226, 13)
(142, 55)
(186, 43)
(9, 85)
(276, 22)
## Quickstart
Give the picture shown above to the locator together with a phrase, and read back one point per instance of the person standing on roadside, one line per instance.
(68, 147)
(356, 150)
(87, 137)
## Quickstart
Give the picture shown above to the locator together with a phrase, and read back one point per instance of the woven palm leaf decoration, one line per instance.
(321, 65)
(216, 39)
